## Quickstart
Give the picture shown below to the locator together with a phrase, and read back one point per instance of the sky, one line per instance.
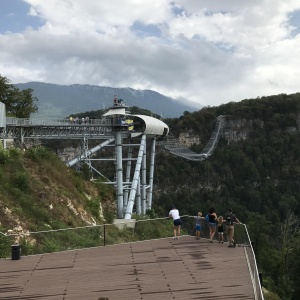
(207, 52)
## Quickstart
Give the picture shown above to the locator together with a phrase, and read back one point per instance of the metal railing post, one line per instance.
(104, 235)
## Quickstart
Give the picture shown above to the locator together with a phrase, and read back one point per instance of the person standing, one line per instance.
(221, 229)
(198, 224)
(230, 219)
(212, 218)
(174, 213)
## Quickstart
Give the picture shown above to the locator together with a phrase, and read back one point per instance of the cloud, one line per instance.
(209, 52)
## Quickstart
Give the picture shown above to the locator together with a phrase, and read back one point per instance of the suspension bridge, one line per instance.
(176, 148)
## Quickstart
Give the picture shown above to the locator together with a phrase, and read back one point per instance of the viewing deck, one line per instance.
(156, 269)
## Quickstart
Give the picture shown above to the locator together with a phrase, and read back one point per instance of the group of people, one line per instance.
(215, 224)
(85, 120)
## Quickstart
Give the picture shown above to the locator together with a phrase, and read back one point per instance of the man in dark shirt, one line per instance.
(230, 219)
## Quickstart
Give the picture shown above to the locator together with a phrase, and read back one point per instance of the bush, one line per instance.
(36, 153)
(4, 156)
(5, 245)
(14, 153)
(21, 181)
(94, 205)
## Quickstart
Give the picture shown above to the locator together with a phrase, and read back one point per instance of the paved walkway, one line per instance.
(157, 269)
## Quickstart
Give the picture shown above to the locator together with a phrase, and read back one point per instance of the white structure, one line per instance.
(138, 190)
(2, 115)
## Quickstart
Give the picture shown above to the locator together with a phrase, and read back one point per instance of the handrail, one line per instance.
(81, 227)
(255, 268)
(12, 121)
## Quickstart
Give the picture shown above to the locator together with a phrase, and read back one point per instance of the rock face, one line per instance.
(189, 138)
(238, 130)
(234, 130)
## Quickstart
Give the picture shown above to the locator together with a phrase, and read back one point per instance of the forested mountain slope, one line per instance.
(255, 169)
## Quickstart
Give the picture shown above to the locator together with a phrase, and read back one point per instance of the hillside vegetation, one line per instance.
(38, 192)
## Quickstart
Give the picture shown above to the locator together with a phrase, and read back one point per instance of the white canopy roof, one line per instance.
(116, 111)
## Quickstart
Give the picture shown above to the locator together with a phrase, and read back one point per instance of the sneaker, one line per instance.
(174, 237)
(177, 238)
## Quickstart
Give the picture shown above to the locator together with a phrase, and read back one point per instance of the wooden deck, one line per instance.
(156, 269)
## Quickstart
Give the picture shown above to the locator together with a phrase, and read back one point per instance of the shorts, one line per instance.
(220, 229)
(210, 224)
(198, 227)
(177, 222)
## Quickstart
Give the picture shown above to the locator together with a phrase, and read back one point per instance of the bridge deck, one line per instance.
(156, 269)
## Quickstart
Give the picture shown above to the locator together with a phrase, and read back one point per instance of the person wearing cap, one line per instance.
(174, 213)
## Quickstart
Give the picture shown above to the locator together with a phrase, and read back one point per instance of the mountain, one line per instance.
(62, 100)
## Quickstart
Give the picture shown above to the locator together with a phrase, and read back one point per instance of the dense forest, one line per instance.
(259, 177)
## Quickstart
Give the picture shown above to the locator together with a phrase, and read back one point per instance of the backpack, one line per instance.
(229, 220)
(207, 218)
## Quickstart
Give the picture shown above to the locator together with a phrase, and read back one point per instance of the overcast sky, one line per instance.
(207, 51)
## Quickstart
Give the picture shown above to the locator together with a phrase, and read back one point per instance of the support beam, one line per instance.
(127, 179)
(144, 181)
(119, 173)
(138, 198)
(73, 161)
(151, 175)
(135, 179)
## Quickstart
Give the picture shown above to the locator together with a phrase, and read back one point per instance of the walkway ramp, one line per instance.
(154, 269)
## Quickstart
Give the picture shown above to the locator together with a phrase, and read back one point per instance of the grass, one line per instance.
(38, 191)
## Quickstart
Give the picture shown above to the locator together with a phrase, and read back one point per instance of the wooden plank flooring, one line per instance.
(156, 269)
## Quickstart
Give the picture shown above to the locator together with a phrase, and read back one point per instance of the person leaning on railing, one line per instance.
(230, 219)
(174, 213)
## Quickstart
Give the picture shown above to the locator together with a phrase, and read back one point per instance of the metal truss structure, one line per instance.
(133, 180)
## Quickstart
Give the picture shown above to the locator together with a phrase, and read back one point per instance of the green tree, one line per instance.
(289, 233)
(18, 103)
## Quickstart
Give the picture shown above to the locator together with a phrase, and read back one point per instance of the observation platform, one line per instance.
(156, 269)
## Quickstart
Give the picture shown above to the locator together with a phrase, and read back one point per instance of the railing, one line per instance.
(252, 265)
(11, 121)
(124, 231)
